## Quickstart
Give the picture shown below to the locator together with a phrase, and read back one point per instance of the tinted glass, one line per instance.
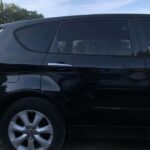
(36, 37)
(98, 37)
(146, 27)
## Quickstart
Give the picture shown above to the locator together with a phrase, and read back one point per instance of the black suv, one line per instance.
(78, 71)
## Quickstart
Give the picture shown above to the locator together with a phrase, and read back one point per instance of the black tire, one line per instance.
(45, 108)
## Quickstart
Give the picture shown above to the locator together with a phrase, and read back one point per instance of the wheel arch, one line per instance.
(52, 98)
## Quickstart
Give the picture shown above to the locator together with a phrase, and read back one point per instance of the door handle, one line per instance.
(59, 65)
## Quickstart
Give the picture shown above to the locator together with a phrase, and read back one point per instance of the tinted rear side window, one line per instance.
(104, 37)
(36, 37)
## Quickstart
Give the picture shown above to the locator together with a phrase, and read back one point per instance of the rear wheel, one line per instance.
(33, 124)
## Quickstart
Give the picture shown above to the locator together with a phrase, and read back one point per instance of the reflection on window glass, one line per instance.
(86, 46)
(61, 46)
(109, 37)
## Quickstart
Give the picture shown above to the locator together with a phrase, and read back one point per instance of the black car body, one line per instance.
(93, 69)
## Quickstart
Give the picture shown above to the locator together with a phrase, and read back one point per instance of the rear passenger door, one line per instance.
(95, 64)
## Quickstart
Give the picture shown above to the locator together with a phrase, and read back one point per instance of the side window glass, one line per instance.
(109, 37)
(36, 37)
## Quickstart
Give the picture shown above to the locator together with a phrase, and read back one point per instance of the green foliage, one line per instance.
(12, 12)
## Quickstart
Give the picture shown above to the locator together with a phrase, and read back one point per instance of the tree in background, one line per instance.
(12, 12)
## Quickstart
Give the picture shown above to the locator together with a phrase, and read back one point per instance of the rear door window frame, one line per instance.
(142, 36)
(131, 34)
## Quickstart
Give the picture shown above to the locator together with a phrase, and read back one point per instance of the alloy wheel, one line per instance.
(30, 130)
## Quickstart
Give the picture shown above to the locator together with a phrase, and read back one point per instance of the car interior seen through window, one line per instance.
(97, 38)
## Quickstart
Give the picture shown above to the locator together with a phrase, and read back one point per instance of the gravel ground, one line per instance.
(99, 144)
(108, 145)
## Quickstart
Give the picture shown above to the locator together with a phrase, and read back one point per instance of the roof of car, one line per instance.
(67, 18)
(100, 15)
(94, 16)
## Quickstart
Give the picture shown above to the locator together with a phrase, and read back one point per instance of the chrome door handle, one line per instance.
(59, 64)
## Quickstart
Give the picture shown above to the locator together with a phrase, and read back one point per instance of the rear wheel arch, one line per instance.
(11, 98)
(41, 107)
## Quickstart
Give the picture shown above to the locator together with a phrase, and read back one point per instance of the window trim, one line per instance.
(142, 36)
(134, 29)
(28, 26)
(92, 20)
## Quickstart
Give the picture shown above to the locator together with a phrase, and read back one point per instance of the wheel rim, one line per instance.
(30, 130)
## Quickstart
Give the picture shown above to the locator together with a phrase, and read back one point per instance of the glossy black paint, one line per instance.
(103, 90)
